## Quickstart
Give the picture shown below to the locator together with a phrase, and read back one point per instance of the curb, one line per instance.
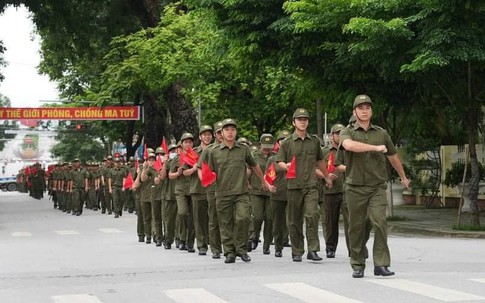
(401, 229)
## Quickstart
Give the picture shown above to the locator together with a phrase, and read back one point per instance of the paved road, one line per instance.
(48, 256)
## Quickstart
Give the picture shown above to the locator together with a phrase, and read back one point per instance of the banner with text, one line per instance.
(71, 113)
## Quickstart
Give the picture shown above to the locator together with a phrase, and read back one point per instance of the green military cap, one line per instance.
(244, 141)
(117, 159)
(352, 119)
(254, 148)
(132, 158)
(64, 163)
(301, 113)
(186, 136)
(361, 99)
(179, 144)
(109, 158)
(151, 155)
(218, 126)
(336, 128)
(283, 134)
(160, 150)
(205, 128)
(76, 160)
(172, 146)
(267, 141)
(150, 150)
(229, 121)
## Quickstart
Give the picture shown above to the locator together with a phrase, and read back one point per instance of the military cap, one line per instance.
(205, 128)
(283, 134)
(172, 146)
(361, 99)
(336, 128)
(229, 121)
(243, 140)
(117, 159)
(109, 158)
(218, 126)
(151, 155)
(301, 113)
(150, 150)
(160, 150)
(132, 158)
(352, 119)
(267, 141)
(186, 136)
(76, 160)
(179, 144)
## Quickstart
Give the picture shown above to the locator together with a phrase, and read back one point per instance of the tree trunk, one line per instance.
(154, 121)
(182, 113)
(472, 118)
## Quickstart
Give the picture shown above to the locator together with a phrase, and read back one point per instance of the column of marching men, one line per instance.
(227, 195)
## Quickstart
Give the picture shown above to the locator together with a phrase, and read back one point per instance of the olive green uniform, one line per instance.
(365, 190)
(200, 209)
(302, 191)
(184, 206)
(117, 175)
(261, 205)
(214, 231)
(332, 202)
(146, 201)
(169, 208)
(232, 200)
(157, 213)
(79, 179)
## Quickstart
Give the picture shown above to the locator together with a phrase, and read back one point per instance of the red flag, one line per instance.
(291, 173)
(137, 163)
(190, 157)
(276, 147)
(208, 177)
(164, 145)
(270, 175)
(158, 164)
(330, 163)
(128, 181)
(145, 151)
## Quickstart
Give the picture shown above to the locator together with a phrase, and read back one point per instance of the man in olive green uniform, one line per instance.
(199, 195)
(333, 197)
(129, 195)
(367, 147)
(147, 178)
(116, 179)
(169, 205)
(157, 199)
(228, 160)
(304, 151)
(279, 202)
(79, 187)
(260, 199)
(179, 173)
(137, 191)
(106, 196)
(214, 231)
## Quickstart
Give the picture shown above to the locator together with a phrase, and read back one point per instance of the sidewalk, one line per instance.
(432, 222)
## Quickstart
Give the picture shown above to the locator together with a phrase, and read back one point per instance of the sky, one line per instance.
(22, 84)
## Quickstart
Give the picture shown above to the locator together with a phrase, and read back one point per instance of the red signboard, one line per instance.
(71, 113)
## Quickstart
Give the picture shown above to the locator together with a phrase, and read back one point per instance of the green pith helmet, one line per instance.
(218, 126)
(186, 136)
(159, 150)
(244, 141)
(267, 141)
(361, 99)
(150, 150)
(117, 159)
(301, 113)
(172, 146)
(336, 128)
(283, 134)
(151, 155)
(229, 121)
(205, 128)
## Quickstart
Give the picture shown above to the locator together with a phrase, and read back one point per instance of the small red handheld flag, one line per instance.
(291, 173)
(207, 175)
(190, 157)
(330, 163)
(158, 164)
(128, 181)
(145, 151)
(270, 175)
(164, 145)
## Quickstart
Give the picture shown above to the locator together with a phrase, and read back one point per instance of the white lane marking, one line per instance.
(66, 232)
(21, 234)
(482, 280)
(190, 295)
(438, 293)
(309, 294)
(81, 298)
(110, 230)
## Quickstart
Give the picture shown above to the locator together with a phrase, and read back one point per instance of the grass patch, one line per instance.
(398, 218)
(468, 227)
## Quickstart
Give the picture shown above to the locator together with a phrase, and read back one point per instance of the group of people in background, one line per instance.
(228, 196)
